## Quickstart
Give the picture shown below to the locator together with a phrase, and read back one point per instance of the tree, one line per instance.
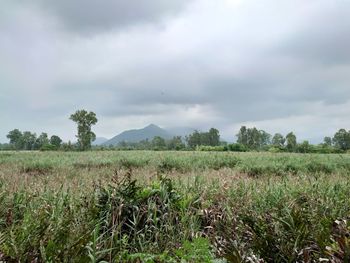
(291, 141)
(16, 137)
(341, 139)
(42, 140)
(253, 138)
(84, 121)
(327, 141)
(194, 139)
(214, 137)
(278, 140)
(304, 147)
(265, 138)
(242, 136)
(176, 143)
(29, 140)
(158, 143)
(55, 141)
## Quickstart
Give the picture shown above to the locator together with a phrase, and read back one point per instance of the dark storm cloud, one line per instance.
(92, 16)
(278, 65)
(324, 38)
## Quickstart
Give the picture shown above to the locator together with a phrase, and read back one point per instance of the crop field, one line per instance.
(154, 206)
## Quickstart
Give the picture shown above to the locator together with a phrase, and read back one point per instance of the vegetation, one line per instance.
(149, 206)
(210, 138)
(29, 141)
(248, 139)
(84, 121)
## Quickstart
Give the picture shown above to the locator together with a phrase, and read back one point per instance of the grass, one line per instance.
(143, 206)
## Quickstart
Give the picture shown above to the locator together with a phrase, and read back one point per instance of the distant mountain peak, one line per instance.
(152, 126)
(136, 135)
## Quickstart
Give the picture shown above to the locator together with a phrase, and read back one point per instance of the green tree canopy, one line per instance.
(278, 140)
(210, 138)
(253, 138)
(304, 147)
(193, 140)
(158, 143)
(327, 141)
(242, 136)
(291, 142)
(341, 139)
(55, 141)
(214, 137)
(29, 140)
(176, 143)
(42, 140)
(84, 121)
(16, 138)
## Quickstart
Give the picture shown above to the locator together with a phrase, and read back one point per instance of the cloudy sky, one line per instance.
(278, 65)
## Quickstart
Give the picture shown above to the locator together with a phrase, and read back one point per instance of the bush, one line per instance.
(236, 147)
(48, 147)
(206, 148)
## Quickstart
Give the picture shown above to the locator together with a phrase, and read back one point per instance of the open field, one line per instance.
(149, 206)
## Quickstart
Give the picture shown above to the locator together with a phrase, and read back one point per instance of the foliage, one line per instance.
(210, 138)
(183, 207)
(291, 140)
(158, 143)
(252, 138)
(278, 140)
(29, 141)
(341, 139)
(15, 137)
(55, 141)
(84, 121)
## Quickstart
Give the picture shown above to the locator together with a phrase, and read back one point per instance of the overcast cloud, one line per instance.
(278, 65)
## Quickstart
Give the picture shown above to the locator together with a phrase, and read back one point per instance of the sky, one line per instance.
(278, 65)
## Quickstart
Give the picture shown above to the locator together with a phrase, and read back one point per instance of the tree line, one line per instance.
(248, 139)
(30, 141)
(254, 139)
(192, 141)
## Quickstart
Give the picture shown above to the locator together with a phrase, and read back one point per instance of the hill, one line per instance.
(99, 141)
(136, 135)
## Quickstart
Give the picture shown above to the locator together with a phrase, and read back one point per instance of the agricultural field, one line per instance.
(154, 206)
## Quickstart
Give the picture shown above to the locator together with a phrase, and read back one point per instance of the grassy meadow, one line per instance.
(154, 206)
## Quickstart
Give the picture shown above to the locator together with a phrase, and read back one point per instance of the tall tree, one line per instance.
(341, 139)
(253, 138)
(291, 142)
(176, 143)
(16, 138)
(278, 140)
(29, 140)
(327, 141)
(55, 141)
(214, 137)
(194, 139)
(242, 136)
(42, 140)
(265, 138)
(84, 121)
(158, 143)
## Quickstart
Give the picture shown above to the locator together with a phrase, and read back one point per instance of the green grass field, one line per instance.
(149, 206)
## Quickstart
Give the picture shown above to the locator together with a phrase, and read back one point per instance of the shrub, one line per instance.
(236, 147)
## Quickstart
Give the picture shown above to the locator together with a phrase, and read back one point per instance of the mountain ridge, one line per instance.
(136, 135)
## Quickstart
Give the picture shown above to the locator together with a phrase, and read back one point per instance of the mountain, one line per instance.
(149, 132)
(99, 141)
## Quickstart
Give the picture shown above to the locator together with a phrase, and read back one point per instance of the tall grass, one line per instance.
(168, 207)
